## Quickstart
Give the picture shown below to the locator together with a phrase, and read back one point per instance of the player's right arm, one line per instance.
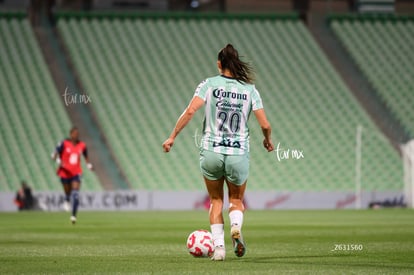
(57, 152)
(266, 129)
(195, 104)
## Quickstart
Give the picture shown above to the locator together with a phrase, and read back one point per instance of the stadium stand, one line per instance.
(32, 116)
(382, 48)
(142, 72)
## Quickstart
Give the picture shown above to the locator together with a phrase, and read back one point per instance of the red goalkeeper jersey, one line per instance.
(70, 158)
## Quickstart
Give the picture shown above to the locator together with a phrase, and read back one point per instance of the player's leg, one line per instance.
(237, 168)
(75, 184)
(236, 206)
(236, 215)
(216, 194)
(212, 167)
(67, 188)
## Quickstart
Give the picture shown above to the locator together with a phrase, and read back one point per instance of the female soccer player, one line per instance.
(69, 152)
(229, 99)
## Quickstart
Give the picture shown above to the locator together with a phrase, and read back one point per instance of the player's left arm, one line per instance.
(86, 157)
(195, 104)
(259, 112)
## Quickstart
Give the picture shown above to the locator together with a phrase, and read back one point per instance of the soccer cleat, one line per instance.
(73, 219)
(66, 206)
(238, 243)
(219, 253)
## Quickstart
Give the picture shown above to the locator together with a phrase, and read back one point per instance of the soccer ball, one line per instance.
(200, 244)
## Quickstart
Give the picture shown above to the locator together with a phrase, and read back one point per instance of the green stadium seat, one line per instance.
(383, 50)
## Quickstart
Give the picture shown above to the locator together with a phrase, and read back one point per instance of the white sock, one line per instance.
(236, 218)
(217, 230)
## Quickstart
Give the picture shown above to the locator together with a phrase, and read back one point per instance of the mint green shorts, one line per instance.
(235, 168)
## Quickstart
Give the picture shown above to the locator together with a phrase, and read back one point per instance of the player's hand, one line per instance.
(268, 145)
(55, 158)
(168, 144)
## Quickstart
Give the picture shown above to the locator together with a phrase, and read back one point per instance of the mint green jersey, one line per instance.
(228, 104)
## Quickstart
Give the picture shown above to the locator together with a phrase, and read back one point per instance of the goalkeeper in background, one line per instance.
(68, 156)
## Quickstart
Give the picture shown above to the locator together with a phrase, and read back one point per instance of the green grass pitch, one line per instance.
(278, 242)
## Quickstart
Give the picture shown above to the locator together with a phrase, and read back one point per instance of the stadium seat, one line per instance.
(383, 50)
